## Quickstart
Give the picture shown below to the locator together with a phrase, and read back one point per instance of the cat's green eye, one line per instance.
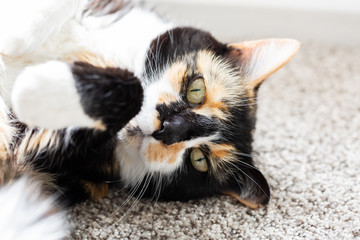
(196, 91)
(198, 160)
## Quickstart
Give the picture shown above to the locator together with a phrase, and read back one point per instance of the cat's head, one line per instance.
(193, 135)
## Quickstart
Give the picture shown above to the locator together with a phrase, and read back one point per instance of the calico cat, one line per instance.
(103, 91)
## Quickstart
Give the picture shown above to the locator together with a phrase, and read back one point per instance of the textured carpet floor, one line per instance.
(307, 144)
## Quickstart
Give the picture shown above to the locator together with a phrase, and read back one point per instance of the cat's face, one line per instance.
(193, 135)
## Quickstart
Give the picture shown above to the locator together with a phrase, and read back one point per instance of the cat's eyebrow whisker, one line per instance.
(244, 154)
(244, 164)
(234, 176)
(251, 104)
(254, 100)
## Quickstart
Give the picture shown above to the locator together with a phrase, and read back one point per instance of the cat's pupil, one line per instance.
(196, 91)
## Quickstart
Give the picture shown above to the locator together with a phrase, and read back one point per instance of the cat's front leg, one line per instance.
(25, 25)
(57, 95)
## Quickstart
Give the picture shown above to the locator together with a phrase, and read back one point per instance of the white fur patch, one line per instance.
(45, 95)
(148, 110)
(27, 214)
(28, 24)
(127, 40)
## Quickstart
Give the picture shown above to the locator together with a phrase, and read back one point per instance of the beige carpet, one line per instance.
(307, 144)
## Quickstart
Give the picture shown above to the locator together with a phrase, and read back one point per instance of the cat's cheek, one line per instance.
(160, 157)
(132, 169)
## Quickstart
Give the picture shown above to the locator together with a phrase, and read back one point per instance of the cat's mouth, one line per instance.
(133, 135)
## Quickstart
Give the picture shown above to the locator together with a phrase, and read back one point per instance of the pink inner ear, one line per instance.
(259, 59)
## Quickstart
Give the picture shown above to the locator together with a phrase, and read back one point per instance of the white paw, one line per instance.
(45, 95)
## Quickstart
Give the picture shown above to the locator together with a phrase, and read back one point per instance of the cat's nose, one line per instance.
(174, 129)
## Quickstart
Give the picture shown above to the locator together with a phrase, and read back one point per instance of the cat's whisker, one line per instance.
(253, 101)
(244, 164)
(157, 192)
(138, 197)
(128, 198)
(135, 188)
(112, 181)
(132, 192)
(234, 176)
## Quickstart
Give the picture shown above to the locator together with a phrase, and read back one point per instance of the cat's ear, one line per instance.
(253, 191)
(259, 59)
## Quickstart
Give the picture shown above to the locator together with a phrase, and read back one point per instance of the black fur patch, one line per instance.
(176, 43)
(112, 95)
(84, 155)
(180, 124)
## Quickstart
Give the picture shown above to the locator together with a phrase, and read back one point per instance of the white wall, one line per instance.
(328, 21)
(348, 6)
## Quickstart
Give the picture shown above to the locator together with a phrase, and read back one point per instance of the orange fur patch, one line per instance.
(248, 203)
(222, 151)
(42, 139)
(166, 98)
(96, 190)
(156, 122)
(158, 152)
(176, 75)
(91, 58)
(221, 158)
(99, 125)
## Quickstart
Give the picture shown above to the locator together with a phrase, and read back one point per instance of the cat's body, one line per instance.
(192, 116)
